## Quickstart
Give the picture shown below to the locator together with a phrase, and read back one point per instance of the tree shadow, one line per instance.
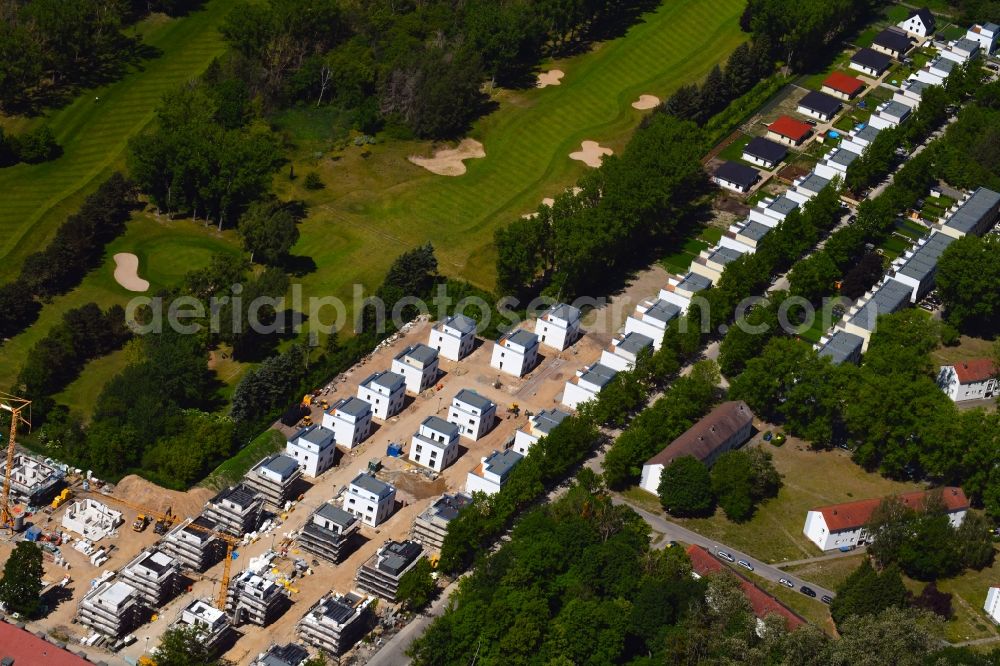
(298, 265)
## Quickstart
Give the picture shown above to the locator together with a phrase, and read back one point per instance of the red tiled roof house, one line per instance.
(763, 604)
(843, 86)
(843, 525)
(789, 131)
(975, 379)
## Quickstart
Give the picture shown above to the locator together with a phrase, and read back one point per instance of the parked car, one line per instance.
(808, 591)
(726, 556)
(826, 599)
(746, 565)
(787, 583)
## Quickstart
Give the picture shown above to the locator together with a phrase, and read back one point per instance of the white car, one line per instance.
(746, 565)
(787, 583)
(726, 556)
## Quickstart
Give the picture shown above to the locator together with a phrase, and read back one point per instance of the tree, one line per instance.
(21, 584)
(968, 272)
(685, 487)
(185, 646)
(268, 230)
(974, 538)
(935, 601)
(38, 146)
(417, 586)
(813, 278)
(866, 592)
(897, 635)
(732, 483)
(868, 270)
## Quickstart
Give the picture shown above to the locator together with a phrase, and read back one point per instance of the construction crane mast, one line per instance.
(170, 519)
(16, 407)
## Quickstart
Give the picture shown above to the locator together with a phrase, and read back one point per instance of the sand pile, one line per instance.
(550, 78)
(449, 161)
(146, 493)
(127, 272)
(646, 102)
(591, 153)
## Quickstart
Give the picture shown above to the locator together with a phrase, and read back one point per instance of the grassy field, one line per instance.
(93, 134)
(166, 250)
(811, 479)
(231, 471)
(376, 204)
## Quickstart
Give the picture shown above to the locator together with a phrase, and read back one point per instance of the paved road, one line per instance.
(393, 653)
(676, 532)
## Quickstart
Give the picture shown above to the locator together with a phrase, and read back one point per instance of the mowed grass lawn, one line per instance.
(810, 479)
(93, 134)
(376, 204)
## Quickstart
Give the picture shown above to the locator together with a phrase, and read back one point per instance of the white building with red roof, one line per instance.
(843, 525)
(975, 379)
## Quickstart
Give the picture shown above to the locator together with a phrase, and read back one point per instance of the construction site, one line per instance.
(279, 560)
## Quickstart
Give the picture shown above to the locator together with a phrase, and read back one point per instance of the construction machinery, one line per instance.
(140, 523)
(168, 519)
(61, 498)
(16, 407)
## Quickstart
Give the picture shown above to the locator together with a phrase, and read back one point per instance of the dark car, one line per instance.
(808, 591)
(826, 599)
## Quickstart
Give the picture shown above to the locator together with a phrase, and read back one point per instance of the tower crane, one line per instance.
(170, 519)
(16, 407)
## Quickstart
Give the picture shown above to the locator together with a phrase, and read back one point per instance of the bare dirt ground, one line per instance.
(553, 77)
(127, 272)
(591, 153)
(646, 102)
(450, 161)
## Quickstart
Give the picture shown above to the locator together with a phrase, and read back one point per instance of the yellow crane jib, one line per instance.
(16, 407)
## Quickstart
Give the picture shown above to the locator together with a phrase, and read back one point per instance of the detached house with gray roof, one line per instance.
(490, 475)
(385, 391)
(472, 413)
(418, 364)
(313, 448)
(516, 352)
(538, 426)
(454, 338)
(370, 500)
(559, 326)
(435, 444)
(350, 421)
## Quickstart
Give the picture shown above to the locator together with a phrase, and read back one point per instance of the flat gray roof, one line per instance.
(889, 298)
(916, 85)
(313, 434)
(501, 463)
(635, 342)
(693, 282)
(547, 419)
(420, 353)
(755, 230)
(447, 507)
(599, 374)
(373, 485)
(782, 205)
(470, 397)
(335, 514)
(943, 64)
(721, 255)
(462, 323)
(924, 260)
(969, 45)
(896, 110)
(354, 406)
(842, 346)
(868, 133)
(970, 214)
(843, 157)
(282, 465)
(563, 311)
(386, 379)
(440, 425)
(524, 338)
(663, 311)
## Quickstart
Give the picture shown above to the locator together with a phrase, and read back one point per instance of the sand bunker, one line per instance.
(550, 78)
(646, 102)
(448, 161)
(127, 272)
(591, 153)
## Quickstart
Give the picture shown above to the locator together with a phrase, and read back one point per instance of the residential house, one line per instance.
(369, 500)
(893, 42)
(986, 34)
(870, 62)
(841, 347)
(817, 105)
(21, 647)
(431, 526)
(313, 448)
(539, 425)
(255, 599)
(918, 266)
(710, 263)
(806, 187)
(350, 420)
(936, 71)
(836, 164)
(888, 297)
(336, 622)
(651, 319)
(975, 214)
(910, 92)
(111, 608)
(454, 338)
(516, 352)
(743, 236)
(858, 140)
(843, 525)
(975, 379)
(380, 574)
(385, 391)
(920, 23)
(736, 177)
(472, 413)
(492, 472)
(762, 603)
(890, 114)
(842, 86)
(435, 444)
(624, 351)
(216, 632)
(789, 131)
(992, 605)
(418, 364)
(770, 212)
(587, 383)
(290, 654)
(32, 480)
(961, 50)
(192, 543)
(236, 510)
(559, 326)
(723, 429)
(154, 575)
(681, 289)
(763, 152)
